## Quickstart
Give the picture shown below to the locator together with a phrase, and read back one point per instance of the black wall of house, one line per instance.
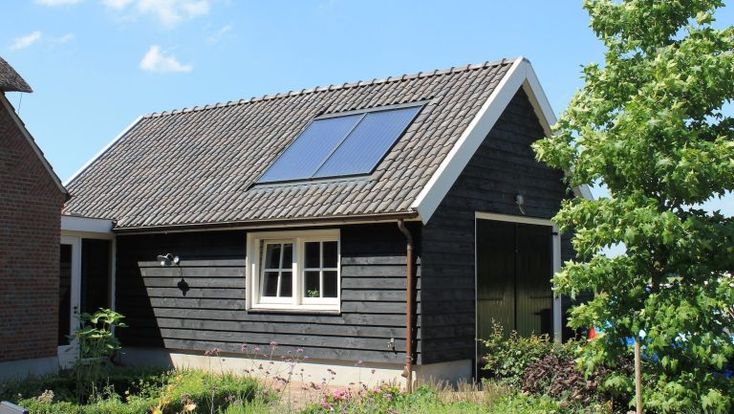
(502, 167)
(212, 312)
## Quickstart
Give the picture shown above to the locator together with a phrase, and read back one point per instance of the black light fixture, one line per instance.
(169, 259)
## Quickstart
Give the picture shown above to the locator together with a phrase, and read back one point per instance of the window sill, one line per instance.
(298, 311)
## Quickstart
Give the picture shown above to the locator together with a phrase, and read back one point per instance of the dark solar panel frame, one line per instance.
(344, 155)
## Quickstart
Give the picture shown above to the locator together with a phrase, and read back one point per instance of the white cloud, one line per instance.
(53, 3)
(168, 12)
(117, 4)
(28, 40)
(219, 34)
(156, 60)
(60, 40)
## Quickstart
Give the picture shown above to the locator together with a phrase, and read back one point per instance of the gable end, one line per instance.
(520, 75)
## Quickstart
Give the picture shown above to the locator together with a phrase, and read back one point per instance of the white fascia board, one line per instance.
(103, 150)
(86, 224)
(440, 183)
(544, 112)
(521, 74)
(27, 135)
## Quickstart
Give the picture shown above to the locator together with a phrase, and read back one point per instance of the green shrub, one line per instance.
(507, 357)
(43, 407)
(541, 367)
(124, 381)
(208, 392)
(136, 391)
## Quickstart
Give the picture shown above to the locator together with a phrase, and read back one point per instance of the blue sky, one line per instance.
(96, 65)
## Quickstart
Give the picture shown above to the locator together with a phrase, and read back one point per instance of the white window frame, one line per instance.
(298, 302)
(270, 300)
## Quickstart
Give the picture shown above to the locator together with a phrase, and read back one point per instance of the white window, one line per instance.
(298, 270)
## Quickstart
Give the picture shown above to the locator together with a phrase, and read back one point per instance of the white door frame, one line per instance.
(67, 353)
(557, 310)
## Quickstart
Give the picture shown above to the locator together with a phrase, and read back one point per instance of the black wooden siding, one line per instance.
(212, 312)
(502, 167)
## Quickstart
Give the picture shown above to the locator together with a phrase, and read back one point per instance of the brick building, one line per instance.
(31, 198)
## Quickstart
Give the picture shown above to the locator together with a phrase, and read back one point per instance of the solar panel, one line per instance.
(301, 159)
(340, 146)
(368, 143)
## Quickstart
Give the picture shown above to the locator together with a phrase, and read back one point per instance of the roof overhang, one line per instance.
(27, 135)
(86, 225)
(520, 75)
(272, 224)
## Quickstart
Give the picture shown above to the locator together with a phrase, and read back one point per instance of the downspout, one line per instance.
(409, 300)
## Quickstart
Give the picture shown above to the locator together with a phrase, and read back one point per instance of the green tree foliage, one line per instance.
(649, 124)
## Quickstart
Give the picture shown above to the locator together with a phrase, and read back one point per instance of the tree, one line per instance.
(649, 125)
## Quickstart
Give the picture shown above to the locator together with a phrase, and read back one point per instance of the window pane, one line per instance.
(270, 284)
(286, 284)
(312, 285)
(313, 255)
(330, 254)
(330, 285)
(272, 256)
(287, 256)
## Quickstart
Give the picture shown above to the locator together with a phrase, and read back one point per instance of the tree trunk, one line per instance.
(638, 377)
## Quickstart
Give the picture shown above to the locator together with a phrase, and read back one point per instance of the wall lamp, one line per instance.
(168, 259)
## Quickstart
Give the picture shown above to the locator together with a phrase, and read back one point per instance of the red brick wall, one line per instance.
(30, 207)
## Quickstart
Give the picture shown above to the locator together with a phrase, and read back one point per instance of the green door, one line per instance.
(514, 270)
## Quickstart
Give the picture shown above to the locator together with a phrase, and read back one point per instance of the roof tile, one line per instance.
(199, 165)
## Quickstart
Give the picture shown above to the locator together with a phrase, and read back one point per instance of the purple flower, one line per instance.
(212, 351)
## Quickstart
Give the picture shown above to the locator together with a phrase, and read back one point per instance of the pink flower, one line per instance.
(340, 394)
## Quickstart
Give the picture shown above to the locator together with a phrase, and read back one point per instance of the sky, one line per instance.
(96, 65)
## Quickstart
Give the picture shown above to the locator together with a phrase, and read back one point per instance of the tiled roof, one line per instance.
(10, 81)
(198, 166)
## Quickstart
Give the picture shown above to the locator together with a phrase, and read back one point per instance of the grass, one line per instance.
(135, 391)
(490, 399)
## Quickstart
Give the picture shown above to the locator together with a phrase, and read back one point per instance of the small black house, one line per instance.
(385, 221)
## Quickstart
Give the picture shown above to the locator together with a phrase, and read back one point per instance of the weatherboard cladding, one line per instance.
(210, 312)
(199, 166)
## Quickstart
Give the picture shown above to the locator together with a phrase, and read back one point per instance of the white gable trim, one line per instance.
(31, 142)
(102, 151)
(520, 74)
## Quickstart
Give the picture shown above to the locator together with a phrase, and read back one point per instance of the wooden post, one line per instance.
(638, 376)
